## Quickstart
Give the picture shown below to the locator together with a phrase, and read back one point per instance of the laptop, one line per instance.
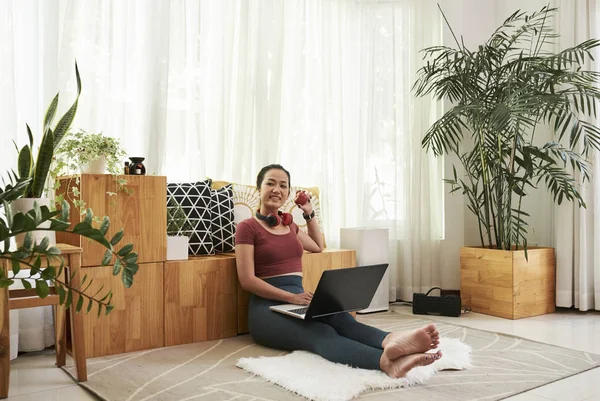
(341, 290)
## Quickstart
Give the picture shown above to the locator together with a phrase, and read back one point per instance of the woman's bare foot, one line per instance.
(401, 366)
(397, 344)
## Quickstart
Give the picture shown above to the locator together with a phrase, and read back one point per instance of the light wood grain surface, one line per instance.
(504, 284)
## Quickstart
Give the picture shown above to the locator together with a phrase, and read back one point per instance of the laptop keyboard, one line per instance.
(300, 311)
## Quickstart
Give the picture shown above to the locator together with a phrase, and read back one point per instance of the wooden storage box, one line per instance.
(142, 214)
(505, 284)
(136, 322)
(200, 299)
(313, 266)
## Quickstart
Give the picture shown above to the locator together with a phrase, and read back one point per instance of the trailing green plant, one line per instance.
(45, 262)
(177, 222)
(80, 148)
(37, 170)
(502, 92)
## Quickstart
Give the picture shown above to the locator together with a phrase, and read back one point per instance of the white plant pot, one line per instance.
(177, 248)
(95, 167)
(24, 205)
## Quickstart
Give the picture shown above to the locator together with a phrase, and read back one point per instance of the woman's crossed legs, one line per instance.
(340, 338)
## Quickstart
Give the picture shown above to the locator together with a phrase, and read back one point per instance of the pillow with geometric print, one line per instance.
(195, 201)
(222, 227)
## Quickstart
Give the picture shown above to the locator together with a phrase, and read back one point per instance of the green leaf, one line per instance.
(105, 225)
(41, 288)
(116, 238)
(24, 162)
(64, 123)
(133, 268)
(65, 211)
(125, 250)
(117, 267)
(42, 164)
(50, 112)
(5, 235)
(127, 278)
(99, 309)
(89, 307)
(7, 214)
(37, 264)
(107, 257)
(26, 284)
(53, 251)
(28, 241)
(61, 294)
(57, 225)
(89, 216)
(49, 273)
(86, 230)
(30, 136)
(109, 308)
(41, 247)
(6, 282)
(131, 258)
(69, 300)
(16, 267)
(79, 304)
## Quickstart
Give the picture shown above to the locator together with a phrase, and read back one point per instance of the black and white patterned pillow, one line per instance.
(195, 201)
(223, 227)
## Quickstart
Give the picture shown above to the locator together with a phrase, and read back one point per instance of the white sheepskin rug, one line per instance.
(315, 378)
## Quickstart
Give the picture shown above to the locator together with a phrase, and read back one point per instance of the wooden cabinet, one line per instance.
(136, 322)
(200, 299)
(141, 213)
(314, 264)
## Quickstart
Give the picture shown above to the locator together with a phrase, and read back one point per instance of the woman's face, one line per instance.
(274, 189)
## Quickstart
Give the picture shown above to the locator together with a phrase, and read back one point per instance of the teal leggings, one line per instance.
(337, 338)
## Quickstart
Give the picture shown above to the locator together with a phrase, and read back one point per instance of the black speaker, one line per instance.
(447, 305)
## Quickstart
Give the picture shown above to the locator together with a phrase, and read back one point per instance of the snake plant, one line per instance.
(37, 170)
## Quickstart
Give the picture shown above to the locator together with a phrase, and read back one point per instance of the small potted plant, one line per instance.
(89, 153)
(179, 230)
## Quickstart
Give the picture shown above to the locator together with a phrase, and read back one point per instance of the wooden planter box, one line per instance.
(505, 284)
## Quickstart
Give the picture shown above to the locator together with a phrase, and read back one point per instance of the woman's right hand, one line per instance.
(301, 299)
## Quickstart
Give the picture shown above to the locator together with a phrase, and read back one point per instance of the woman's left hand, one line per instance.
(307, 208)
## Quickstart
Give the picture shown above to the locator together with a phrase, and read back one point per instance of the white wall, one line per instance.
(475, 20)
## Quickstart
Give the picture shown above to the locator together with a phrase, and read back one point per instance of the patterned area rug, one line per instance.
(502, 366)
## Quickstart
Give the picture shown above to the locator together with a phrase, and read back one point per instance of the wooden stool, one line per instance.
(23, 298)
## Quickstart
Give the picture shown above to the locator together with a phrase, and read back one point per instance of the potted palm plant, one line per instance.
(35, 172)
(179, 230)
(502, 93)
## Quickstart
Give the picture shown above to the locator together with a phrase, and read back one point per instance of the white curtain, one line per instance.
(220, 88)
(28, 69)
(577, 230)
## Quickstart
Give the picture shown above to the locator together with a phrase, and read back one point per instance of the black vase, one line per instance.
(137, 167)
